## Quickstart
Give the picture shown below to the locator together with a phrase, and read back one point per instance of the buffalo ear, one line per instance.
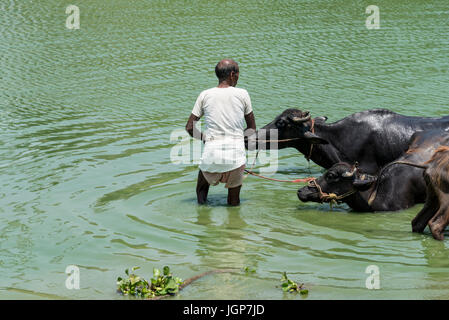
(314, 139)
(363, 185)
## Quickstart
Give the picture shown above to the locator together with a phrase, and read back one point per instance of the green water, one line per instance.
(86, 117)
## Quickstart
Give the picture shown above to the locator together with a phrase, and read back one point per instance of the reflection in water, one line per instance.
(436, 254)
(224, 244)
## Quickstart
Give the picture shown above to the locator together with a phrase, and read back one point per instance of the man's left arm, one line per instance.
(250, 122)
(249, 116)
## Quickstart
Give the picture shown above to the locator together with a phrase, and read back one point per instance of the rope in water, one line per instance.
(301, 180)
(250, 172)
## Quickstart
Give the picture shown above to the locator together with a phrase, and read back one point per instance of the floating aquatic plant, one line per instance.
(164, 284)
(249, 270)
(291, 286)
(161, 284)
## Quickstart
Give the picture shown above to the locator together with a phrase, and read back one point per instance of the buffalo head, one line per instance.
(341, 179)
(292, 128)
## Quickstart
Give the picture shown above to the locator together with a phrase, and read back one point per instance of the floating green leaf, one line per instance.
(248, 270)
(291, 286)
(159, 285)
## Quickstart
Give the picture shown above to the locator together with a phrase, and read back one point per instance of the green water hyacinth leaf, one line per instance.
(159, 285)
(171, 284)
(291, 286)
(248, 270)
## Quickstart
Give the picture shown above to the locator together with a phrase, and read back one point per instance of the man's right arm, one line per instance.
(196, 114)
(192, 130)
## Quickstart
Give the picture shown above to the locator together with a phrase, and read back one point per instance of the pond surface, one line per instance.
(86, 116)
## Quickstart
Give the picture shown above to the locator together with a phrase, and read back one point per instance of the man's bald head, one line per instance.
(224, 68)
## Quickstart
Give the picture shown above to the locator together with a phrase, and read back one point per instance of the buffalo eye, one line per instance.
(331, 176)
(281, 123)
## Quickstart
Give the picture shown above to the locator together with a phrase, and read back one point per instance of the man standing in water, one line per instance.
(225, 109)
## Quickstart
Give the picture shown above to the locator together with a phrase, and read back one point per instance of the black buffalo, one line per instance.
(373, 138)
(399, 185)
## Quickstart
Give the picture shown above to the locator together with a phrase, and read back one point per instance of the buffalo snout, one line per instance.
(308, 193)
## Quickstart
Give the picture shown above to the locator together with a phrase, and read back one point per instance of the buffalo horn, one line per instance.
(348, 174)
(302, 119)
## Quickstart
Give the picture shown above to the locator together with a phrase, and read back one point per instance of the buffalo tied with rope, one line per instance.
(399, 185)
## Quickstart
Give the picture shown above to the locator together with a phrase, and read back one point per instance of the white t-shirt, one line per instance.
(224, 111)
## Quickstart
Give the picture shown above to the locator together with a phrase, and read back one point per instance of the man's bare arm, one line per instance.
(250, 124)
(192, 130)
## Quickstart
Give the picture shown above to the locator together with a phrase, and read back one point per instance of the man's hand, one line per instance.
(192, 130)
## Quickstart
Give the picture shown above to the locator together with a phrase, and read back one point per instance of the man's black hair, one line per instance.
(224, 68)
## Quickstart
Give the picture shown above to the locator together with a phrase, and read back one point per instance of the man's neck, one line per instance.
(224, 84)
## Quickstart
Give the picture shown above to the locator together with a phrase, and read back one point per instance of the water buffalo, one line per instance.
(399, 185)
(435, 212)
(373, 138)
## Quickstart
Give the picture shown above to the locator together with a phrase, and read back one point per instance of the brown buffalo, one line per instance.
(435, 212)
